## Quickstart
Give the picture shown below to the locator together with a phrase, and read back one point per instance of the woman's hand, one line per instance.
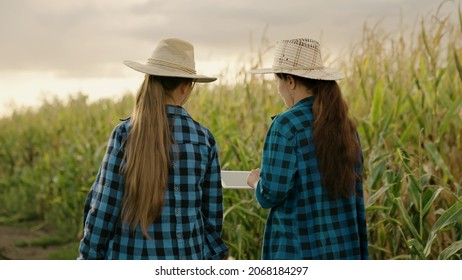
(253, 178)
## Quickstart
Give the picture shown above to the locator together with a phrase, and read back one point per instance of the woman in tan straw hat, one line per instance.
(158, 192)
(310, 176)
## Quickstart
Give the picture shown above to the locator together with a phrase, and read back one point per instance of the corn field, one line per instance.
(404, 91)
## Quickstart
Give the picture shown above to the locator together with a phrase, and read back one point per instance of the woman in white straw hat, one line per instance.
(312, 163)
(158, 192)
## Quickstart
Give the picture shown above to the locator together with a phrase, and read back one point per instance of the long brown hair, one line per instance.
(147, 153)
(334, 134)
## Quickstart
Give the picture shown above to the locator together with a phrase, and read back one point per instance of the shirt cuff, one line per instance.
(264, 202)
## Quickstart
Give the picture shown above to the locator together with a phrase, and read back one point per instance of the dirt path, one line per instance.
(11, 236)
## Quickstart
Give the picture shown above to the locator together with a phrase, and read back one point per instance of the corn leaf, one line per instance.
(450, 216)
(451, 250)
(431, 201)
(407, 219)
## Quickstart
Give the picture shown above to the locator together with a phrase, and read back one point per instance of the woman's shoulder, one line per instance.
(293, 120)
(122, 128)
(283, 125)
(205, 132)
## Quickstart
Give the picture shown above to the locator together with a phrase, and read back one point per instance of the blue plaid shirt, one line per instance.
(190, 224)
(303, 222)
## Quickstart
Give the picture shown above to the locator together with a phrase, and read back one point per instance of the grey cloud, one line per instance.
(90, 38)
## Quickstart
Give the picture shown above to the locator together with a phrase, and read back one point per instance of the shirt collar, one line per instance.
(171, 110)
(305, 102)
(176, 110)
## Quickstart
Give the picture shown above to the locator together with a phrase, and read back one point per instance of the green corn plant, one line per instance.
(403, 90)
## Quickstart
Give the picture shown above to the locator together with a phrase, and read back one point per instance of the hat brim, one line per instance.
(326, 74)
(158, 70)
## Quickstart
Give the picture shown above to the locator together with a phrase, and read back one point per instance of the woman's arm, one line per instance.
(102, 206)
(212, 210)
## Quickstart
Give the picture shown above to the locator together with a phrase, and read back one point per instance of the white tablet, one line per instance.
(234, 179)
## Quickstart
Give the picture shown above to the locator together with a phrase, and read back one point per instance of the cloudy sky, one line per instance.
(57, 47)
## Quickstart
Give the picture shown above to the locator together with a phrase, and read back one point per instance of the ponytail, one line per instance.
(337, 146)
(147, 153)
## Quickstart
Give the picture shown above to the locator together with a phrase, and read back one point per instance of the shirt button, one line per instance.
(174, 164)
(177, 212)
(178, 235)
(176, 188)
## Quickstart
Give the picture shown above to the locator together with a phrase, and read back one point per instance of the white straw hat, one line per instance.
(171, 58)
(300, 57)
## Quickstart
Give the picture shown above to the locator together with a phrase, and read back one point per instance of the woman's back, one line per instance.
(158, 192)
(304, 222)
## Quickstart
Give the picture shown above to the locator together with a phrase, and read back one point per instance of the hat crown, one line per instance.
(174, 53)
(300, 57)
(171, 58)
(300, 54)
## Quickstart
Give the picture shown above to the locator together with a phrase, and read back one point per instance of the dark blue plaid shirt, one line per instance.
(190, 224)
(303, 222)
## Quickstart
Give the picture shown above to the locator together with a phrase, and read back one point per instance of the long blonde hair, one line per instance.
(147, 153)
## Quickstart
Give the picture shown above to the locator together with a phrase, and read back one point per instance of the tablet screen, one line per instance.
(234, 179)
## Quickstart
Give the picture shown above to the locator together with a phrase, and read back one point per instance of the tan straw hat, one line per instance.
(171, 58)
(300, 57)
